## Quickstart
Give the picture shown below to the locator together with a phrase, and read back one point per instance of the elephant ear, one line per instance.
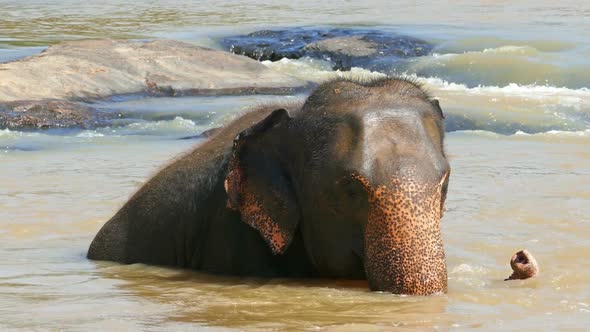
(257, 186)
(436, 104)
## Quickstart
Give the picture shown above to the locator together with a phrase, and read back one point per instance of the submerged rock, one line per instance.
(346, 48)
(205, 134)
(46, 86)
(42, 114)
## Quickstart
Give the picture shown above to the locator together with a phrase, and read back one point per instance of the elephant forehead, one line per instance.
(404, 114)
(400, 131)
(393, 140)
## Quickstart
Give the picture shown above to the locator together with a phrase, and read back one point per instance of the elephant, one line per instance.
(349, 184)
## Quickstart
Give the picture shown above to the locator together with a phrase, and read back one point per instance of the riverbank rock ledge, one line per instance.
(46, 90)
(346, 48)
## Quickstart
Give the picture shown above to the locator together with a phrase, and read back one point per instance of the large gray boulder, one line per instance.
(93, 69)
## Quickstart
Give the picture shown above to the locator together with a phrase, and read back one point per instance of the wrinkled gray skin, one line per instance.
(351, 184)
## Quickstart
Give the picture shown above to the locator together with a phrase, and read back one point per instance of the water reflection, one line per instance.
(273, 303)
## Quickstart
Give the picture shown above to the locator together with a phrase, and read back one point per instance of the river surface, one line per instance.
(513, 79)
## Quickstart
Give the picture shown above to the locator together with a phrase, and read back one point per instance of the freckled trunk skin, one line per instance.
(404, 252)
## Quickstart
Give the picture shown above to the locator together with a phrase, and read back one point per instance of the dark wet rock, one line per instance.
(42, 114)
(47, 86)
(206, 134)
(346, 48)
(210, 132)
(456, 122)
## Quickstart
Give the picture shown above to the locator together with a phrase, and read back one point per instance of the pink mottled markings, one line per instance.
(403, 237)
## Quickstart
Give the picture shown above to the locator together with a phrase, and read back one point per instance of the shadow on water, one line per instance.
(281, 304)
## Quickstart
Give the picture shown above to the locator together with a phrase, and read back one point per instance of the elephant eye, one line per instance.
(445, 187)
(353, 189)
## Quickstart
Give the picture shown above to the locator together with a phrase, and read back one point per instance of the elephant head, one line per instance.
(360, 171)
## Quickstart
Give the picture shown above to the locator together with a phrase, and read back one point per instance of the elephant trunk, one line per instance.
(404, 252)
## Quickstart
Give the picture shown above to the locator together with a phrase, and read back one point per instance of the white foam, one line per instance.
(512, 89)
(502, 50)
(544, 95)
(464, 270)
(533, 105)
(182, 122)
(319, 70)
(556, 133)
(510, 49)
(522, 134)
(580, 133)
(7, 133)
(90, 134)
(177, 123)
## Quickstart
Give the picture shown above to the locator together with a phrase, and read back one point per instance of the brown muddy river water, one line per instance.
(513, 80)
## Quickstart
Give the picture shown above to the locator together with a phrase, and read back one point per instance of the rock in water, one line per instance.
(92, 69)
(523, 265)
(45, 114)
(346, 48)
